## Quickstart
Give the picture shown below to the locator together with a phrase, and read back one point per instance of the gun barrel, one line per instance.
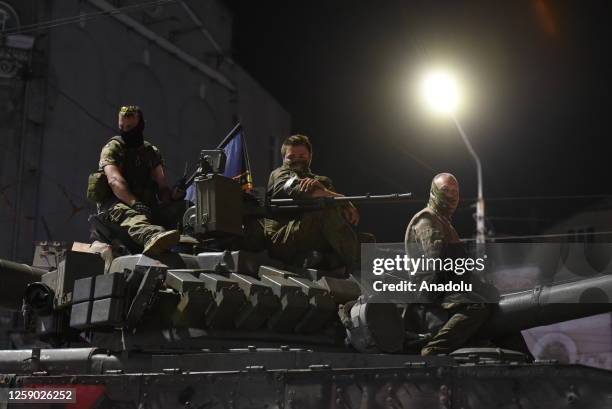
(324, 201)
(550, 304)
(15, 277)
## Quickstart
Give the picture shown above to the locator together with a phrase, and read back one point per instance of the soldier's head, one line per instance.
(444, 194)
(131, 124)
(297, 152)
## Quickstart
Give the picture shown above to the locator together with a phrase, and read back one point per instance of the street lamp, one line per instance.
(441, 93)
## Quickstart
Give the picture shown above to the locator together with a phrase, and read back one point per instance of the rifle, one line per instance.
(182, 182)
(276, 205)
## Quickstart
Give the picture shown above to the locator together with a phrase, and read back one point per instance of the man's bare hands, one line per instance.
(316, 189)
(351, 214)
(309, 185)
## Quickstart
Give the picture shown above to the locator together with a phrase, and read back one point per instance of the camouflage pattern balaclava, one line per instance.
(444, 195)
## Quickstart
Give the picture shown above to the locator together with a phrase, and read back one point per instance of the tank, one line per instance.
(228, 328)
(233, 329)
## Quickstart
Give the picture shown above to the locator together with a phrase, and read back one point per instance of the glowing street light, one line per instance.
(441, 93)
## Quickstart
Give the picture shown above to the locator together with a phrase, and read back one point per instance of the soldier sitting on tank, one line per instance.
(454, 316)
(318, 238)
(142, 203)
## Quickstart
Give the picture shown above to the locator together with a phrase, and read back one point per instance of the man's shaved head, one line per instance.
(444, 194)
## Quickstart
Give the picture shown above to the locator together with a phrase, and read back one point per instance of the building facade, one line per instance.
(62, 83)
(586, 251)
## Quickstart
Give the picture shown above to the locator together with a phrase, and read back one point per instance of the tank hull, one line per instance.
(294, 378)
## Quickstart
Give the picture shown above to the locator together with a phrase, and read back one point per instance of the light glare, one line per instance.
(441, 92)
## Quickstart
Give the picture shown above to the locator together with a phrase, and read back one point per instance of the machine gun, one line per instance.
(278, 205)
(220, 205)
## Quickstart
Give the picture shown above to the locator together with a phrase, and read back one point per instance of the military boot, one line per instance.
(161, 242)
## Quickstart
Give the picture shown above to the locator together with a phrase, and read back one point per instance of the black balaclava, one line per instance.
(134, 137)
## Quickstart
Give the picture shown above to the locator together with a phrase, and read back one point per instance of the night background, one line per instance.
(536, 75)
(533, 78)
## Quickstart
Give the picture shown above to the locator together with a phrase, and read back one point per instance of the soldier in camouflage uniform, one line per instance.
(143, 203)
(293, 237)
(430, 231)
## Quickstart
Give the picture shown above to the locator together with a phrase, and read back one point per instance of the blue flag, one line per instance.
(234, 150)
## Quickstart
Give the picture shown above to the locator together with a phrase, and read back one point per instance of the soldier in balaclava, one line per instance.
(141, 199)
(431, 233)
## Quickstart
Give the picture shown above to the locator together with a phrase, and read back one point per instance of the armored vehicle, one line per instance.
(215, 327)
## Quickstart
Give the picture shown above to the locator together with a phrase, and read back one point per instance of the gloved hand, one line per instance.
(179, 189)
(142, 209)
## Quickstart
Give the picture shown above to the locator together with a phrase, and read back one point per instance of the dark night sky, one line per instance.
(538, 75)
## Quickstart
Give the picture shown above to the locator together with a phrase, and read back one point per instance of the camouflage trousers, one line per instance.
(464, 322)
(139, 227)
(324, 229)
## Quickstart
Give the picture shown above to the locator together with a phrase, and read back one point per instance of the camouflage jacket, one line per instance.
(433, 236)
(280, 176)
(276, 190)
(135, 165)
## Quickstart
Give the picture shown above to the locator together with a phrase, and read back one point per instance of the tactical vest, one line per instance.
(136, 165)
